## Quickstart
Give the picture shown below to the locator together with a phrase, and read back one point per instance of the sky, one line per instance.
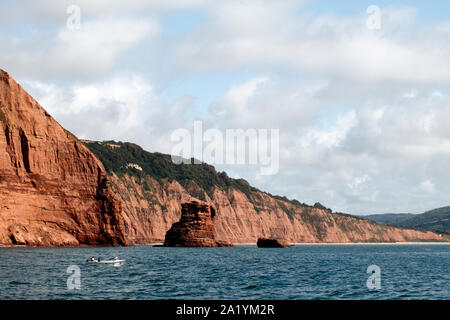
(361, 111)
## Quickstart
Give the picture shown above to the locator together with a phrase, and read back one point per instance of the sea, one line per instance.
(325, 272)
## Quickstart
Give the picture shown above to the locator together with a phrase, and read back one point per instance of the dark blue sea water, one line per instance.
(242, 272)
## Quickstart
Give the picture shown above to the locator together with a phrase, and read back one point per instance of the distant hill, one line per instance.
(389, 218)
(434, 220)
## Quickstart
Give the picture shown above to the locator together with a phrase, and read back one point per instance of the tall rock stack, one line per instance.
(195, 228)
(53, 190)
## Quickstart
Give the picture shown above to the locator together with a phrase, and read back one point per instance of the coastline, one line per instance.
(158, 244)
(354, 243)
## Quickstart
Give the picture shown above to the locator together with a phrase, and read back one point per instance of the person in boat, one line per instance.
(93, 259)
(116, 258)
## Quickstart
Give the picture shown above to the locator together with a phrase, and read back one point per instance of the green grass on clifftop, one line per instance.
(128, 158)
(117, 157)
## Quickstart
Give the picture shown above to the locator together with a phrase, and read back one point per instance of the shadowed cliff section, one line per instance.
(153, 188)
(53, 190)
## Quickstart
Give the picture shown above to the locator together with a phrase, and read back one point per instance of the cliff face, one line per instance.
(150, 207)
(53, 190)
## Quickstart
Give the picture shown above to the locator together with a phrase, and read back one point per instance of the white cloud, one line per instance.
(410, 95)
(259, 34)
(427, 186)
(363, 115)
(238, 95)
(117, 104)
(263, 102)
(125, 108)
(332, 137)
(92, 51)
(55, 11)
(356, 182)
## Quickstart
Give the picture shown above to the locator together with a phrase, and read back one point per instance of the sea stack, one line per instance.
(195, 228)
(272, 243)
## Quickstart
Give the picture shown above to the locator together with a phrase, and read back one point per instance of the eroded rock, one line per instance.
(195, 228)
(272, 243)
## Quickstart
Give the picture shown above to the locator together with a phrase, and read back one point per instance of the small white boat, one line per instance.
(111, 261)
(107, 261)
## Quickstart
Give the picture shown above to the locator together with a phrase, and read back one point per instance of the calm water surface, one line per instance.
(242, 272)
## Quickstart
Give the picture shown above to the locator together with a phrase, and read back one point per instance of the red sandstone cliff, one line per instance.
(53, 190)
(149, 214)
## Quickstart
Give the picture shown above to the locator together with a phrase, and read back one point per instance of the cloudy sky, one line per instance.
(362, 112)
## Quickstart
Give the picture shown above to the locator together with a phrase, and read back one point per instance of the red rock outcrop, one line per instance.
(53, 190)
(195, 228)
(272, 243)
